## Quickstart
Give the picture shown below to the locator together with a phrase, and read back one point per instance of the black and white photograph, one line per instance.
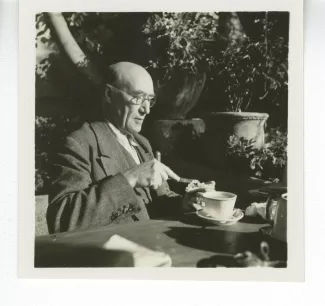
(161, 139)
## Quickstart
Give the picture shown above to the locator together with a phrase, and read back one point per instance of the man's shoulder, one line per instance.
(87, 134)
(88, 130)
(82, 133)
(93, 131)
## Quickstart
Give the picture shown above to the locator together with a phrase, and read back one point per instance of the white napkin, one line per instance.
(256, 209)
(142, 256)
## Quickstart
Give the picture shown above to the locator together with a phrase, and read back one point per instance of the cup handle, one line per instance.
(200, 201)
(265, 250)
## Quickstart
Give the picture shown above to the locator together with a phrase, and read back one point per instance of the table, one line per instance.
(189, 243)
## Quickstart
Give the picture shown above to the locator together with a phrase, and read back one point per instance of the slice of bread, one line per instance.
(196, 186)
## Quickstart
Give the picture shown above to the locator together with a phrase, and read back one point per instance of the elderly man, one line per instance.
(106, 172)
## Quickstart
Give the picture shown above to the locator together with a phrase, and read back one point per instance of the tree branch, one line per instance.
(72, 49)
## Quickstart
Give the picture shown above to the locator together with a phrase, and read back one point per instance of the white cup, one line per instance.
(218, 204)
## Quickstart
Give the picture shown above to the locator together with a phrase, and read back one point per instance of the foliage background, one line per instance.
(267, 163)
(240, 65)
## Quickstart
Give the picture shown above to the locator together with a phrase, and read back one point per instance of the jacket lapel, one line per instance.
(108, 146)
(143, 150)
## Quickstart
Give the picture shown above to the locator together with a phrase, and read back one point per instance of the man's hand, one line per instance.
(149, 174)
(190, 201)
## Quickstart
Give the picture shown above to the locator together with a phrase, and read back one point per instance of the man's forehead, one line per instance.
(134, 78)
(138, 85)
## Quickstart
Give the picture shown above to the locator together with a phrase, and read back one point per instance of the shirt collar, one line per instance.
(119, 134)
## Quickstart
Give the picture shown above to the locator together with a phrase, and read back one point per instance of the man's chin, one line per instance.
(136, 128)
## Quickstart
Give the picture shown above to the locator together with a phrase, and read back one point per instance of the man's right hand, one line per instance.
(190, 201)
(149, 174)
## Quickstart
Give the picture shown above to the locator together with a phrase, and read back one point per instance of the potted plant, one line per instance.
(182, 52)
(251, 75)
(267, 162)
(181, 47)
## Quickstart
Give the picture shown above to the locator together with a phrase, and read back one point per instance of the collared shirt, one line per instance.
(127, 141)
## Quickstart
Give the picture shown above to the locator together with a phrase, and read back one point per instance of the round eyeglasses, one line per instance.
(140, 99)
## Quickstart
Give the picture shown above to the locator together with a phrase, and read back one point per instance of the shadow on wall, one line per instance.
(41, 204)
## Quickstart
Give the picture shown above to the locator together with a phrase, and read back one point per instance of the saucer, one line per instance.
(236, 216)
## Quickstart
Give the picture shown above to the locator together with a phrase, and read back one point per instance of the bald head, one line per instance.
(124, 82)
(130, 77)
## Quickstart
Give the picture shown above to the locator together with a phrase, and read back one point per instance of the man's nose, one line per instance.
(145, 108)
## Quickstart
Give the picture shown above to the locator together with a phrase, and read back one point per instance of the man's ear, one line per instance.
(108, 93)
(106, 100)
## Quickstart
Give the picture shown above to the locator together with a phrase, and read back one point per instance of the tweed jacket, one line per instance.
(89, 189)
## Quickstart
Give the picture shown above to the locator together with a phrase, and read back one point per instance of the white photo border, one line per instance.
(27, 59)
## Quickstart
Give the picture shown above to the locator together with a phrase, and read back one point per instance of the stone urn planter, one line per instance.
(177, 138)
(220, 126)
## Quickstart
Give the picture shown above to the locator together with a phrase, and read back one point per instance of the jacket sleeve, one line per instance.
(76, 202)
(167, 202)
